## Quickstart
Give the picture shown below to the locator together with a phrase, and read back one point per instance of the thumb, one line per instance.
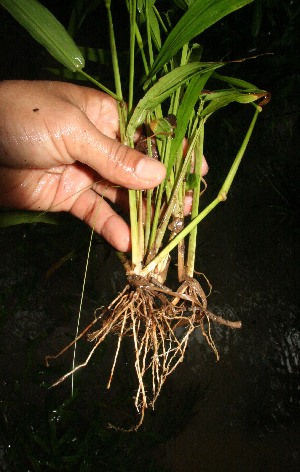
(114, 161)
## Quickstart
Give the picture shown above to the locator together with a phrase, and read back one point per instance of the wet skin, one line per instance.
(59, 149)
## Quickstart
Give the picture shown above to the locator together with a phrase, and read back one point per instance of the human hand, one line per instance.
(59, 152)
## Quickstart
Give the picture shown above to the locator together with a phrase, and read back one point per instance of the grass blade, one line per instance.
(223, 98)
(164, 88)
(47, 30)
(199, 16)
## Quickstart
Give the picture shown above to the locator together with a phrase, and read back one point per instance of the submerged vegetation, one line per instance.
(168, 109)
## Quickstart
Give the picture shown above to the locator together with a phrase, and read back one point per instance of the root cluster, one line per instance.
(159, 322)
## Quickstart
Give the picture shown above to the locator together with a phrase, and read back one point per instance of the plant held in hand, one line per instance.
(170, 108)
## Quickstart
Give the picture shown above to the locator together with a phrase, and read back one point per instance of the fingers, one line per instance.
(101, 110)
(55, 123)
(97, 213)
(114, 161)
(68, 189)
(93, 142)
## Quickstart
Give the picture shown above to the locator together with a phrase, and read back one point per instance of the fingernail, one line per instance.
(150, 169)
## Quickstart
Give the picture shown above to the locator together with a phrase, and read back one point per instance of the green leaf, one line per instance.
(233, 81)
(200, 15)
(185, 109)
(164, 88)
(12, 218)
(155, 31)
(223, 98)
(47, 30)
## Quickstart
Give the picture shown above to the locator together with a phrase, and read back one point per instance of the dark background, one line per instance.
(238, 414)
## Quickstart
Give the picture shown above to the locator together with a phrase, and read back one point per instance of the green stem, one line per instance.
(195, 206)
(141, 240)
(149, 39)
(134, 229)
(113, 50)
(176, 189)
(148, 219)
(152, 250)
(174, 242)
(136, 256)
(160, 19)
(99, 85)
(132, 14)
(222, 195)
(231, 174)
(178, 92)
(140, 44)
(164, 152)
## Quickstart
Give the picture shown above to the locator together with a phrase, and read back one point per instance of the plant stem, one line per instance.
(175, 192)
(136, 254)
(148, 219)
(140, 44)
(113, 50)
(195, 206)
(132, 20)
(149, 39)
(160, 19)
(174, 242)
(102, 87)
(178, 92)
(231, 174)
(222, 195)
(134, 229)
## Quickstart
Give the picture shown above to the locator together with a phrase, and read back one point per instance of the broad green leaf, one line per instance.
(47, 30)
(200, 15)
(164, 88)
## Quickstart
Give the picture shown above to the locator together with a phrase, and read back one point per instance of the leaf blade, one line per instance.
(47, 30)
(163, 88)
(200, 15)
